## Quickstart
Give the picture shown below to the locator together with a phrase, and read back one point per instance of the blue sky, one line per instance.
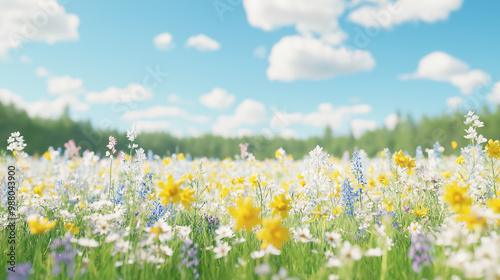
(261, 66)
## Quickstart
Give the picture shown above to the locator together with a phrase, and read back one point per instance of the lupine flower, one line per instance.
(189, 257)
(348, 198)
(243, 150)
(22, 272)
(63, 253)
(419, 251)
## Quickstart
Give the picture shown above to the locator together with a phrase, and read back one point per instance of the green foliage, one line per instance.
(40, 134)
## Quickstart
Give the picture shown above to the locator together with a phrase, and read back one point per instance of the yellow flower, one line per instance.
(71, 227)
(187, 197)
(446, 175)
(246, 216)
(166, 161)
(254, 180)
(420, 211)
(273, 233)
(180, 156)
(39, 225)
(473, 219)
(460, 160)
(382, 178)
(277, 154)
(457, 197)
(170, 191)
(400, 159)
(281, 206)
(337, 210)
(454, 144)
(494, 204)
(493, 149)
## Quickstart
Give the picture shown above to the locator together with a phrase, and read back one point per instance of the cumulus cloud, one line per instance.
(64, 85)
(156, 112)
(360, 126)
(249, 112)
(218, 99)
(282, 119)
(43, 108)
(35, 21)
(454, 102)
(288, 133)
(494, 96)
(296, 57)
(132, 93)
(440, 66)
(163, 41)
(308, 17)
(391, 121)
(260, 52)
(202, 43)
(328, 115)
(152, 126)
(388, 13)
(42, 72)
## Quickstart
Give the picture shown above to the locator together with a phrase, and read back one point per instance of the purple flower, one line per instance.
(22, 272)
(63, 253)
(419, 251)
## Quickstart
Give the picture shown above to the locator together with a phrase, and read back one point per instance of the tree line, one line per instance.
(41, 133)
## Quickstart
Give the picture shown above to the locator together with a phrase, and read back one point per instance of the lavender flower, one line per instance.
(419, 251)
(212, 223)
(357, 170)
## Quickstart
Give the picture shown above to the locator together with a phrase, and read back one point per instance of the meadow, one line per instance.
(424, 214)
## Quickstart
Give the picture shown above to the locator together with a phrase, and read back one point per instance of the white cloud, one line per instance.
(64, 85)
(132, 93)
(327, 115)
(174, 98)
(249, 112)
(35, 21)
(163, 111)
(203, 43)
(282, 119)
(260, 52)
(319, 16)
(25, 59)
(288, 133)
(295, 57)
(218, 99)
(43, 108)
(163, 42)
(360, 126)
(152, 126)
(494, 96)
(42, 72)
(440, 66)
(454, 102)
(391, 121)
(388, 13)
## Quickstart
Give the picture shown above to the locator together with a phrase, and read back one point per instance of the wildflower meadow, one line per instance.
(74, 214)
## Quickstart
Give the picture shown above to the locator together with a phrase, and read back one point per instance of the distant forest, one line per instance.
(40, 134)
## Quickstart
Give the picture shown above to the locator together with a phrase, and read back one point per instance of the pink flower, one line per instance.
(72, 148)
(244, 150)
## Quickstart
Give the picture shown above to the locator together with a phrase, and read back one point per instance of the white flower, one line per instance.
(333, 277)
(302, 234)
(257, 254)
(414, 228)
(374, 252)
(221, 250)
(333, 238)
(333, 262)
(262, 269)
(166, 250)
(282, 273)
(224, 231)
(350, 252)
(87, 242)
(329, 254)
(480, 139)
(132, 134)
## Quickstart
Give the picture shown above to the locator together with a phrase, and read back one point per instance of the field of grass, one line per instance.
(132, 215)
